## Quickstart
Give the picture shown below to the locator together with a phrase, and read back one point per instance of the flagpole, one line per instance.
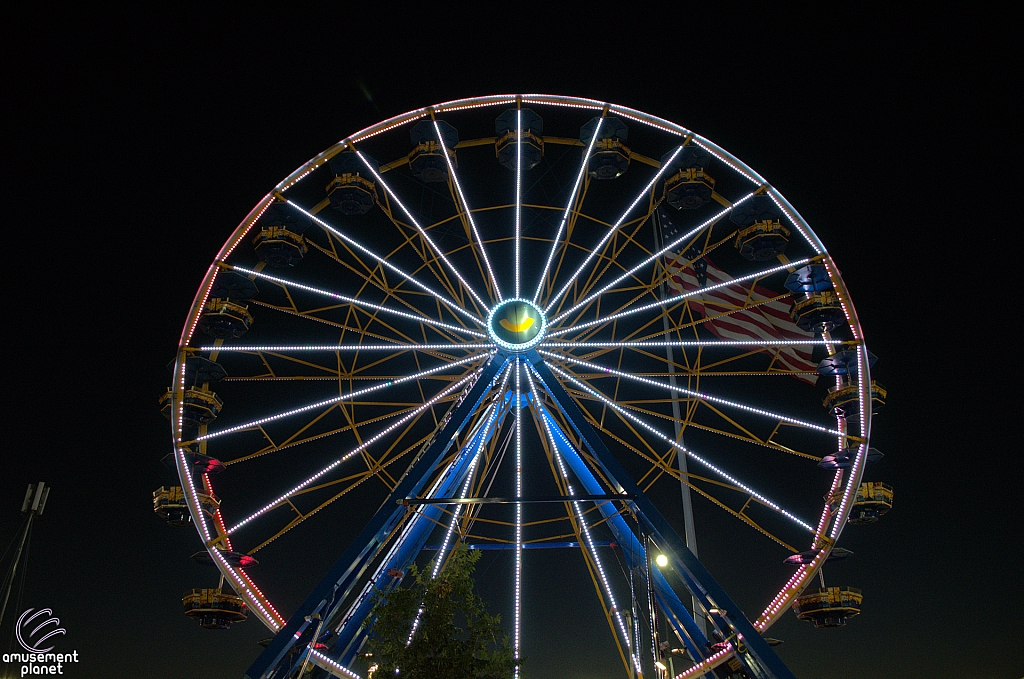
(688, 529)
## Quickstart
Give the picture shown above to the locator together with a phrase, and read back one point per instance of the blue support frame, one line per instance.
(353, 629)
(759, 659)
(632, 549)
(341, 578)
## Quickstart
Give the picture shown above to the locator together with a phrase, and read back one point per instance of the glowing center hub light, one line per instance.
(516, 324)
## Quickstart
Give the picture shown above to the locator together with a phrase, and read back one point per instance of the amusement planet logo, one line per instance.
(33, 630)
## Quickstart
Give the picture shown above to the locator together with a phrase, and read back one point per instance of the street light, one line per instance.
(667, 654)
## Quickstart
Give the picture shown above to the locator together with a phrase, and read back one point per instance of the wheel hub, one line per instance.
(517, 325)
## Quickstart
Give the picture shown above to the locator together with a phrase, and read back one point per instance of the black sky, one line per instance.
(138, 145)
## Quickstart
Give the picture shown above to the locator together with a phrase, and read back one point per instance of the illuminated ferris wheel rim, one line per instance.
(505, 99)
(241, 582)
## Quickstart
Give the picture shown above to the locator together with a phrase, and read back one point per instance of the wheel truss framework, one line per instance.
(564, 399)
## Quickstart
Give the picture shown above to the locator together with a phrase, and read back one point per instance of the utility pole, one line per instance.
(33, 505)
(688, 529)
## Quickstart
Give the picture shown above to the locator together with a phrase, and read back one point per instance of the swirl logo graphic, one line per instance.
(42, 628)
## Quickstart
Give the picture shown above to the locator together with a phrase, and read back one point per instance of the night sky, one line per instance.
(139, 144)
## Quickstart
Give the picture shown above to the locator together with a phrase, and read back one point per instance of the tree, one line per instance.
(455, 638)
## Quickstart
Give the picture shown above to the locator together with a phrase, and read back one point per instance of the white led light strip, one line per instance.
(451, 529)
(469, 475)
(713, 150)
(652, 258)
(406, 529)
(611, 231)
(696, 394)
(564, 101)
(704, 668)
(647, 119)
(426, 237)
(241, 582)
(793, 220)
(680, 343)
(671, 441)
(351, 347)
(359, 302)
(579, 513)
(517, 643)
(458, 508)
(469, 216)
(465, 489)
(360, 447)
(330, 665)
(476, 102)
(568, 209)
(451, 304)
(337, 399)
(864, 392)
(677, 298)
(519, 198)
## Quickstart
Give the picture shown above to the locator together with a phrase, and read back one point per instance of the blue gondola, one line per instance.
(533, 140)
(427, 159)
(610, 157)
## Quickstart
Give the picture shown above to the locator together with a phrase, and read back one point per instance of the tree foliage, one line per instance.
(455, 638)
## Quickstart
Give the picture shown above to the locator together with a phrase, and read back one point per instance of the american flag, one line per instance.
(766, 321)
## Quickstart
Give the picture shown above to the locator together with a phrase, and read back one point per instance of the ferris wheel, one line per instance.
(522, 322)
